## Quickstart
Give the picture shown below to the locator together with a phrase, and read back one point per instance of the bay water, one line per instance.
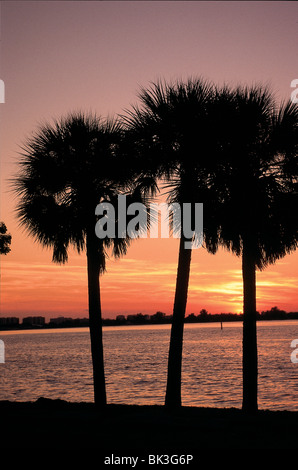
(56, 363)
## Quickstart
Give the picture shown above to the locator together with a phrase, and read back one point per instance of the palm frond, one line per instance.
(65, 169)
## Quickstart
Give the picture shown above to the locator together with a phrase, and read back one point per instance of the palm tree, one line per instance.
(66, 170)
(233, 150)
(258, 201)
(173, 140)
(5, 239)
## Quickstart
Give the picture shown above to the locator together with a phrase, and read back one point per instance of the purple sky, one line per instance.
(57, 56)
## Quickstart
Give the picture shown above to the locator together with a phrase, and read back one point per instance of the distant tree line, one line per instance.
(203, 317)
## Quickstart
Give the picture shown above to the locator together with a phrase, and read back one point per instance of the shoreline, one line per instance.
(114, 323)
(143, 429)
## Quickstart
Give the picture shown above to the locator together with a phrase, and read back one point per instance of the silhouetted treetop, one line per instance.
(5, 240)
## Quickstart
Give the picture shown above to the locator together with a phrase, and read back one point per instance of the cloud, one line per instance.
(145, 284)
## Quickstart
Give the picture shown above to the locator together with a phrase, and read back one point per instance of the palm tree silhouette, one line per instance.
(257, 195)
(233, 150)
(173, 138)
(5, 239)
(67, 169)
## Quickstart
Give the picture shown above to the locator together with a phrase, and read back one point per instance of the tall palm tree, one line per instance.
(173, 138)
(5, 239)
(233, 150)
(256, 216)
(66, 170)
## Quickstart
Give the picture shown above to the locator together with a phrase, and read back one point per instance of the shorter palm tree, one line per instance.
(66, 170)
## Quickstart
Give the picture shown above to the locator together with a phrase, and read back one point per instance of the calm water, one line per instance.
(57, 364)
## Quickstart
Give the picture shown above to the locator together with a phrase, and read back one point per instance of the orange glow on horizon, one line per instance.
(142, 281)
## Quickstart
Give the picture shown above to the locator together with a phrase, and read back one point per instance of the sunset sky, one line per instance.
(57, 57)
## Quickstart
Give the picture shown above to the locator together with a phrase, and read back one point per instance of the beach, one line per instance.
(128, 430)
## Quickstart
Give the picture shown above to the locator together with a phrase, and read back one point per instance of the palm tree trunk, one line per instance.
(250, 356)
(173, 391)
(95, 320)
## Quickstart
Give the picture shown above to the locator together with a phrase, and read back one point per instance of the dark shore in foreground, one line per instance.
(126, 430)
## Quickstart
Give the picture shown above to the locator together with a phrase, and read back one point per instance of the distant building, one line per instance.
(9, 321)
(34, 321)
(120, 318)
(68, 322)
(60, 320)
(131, 318)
